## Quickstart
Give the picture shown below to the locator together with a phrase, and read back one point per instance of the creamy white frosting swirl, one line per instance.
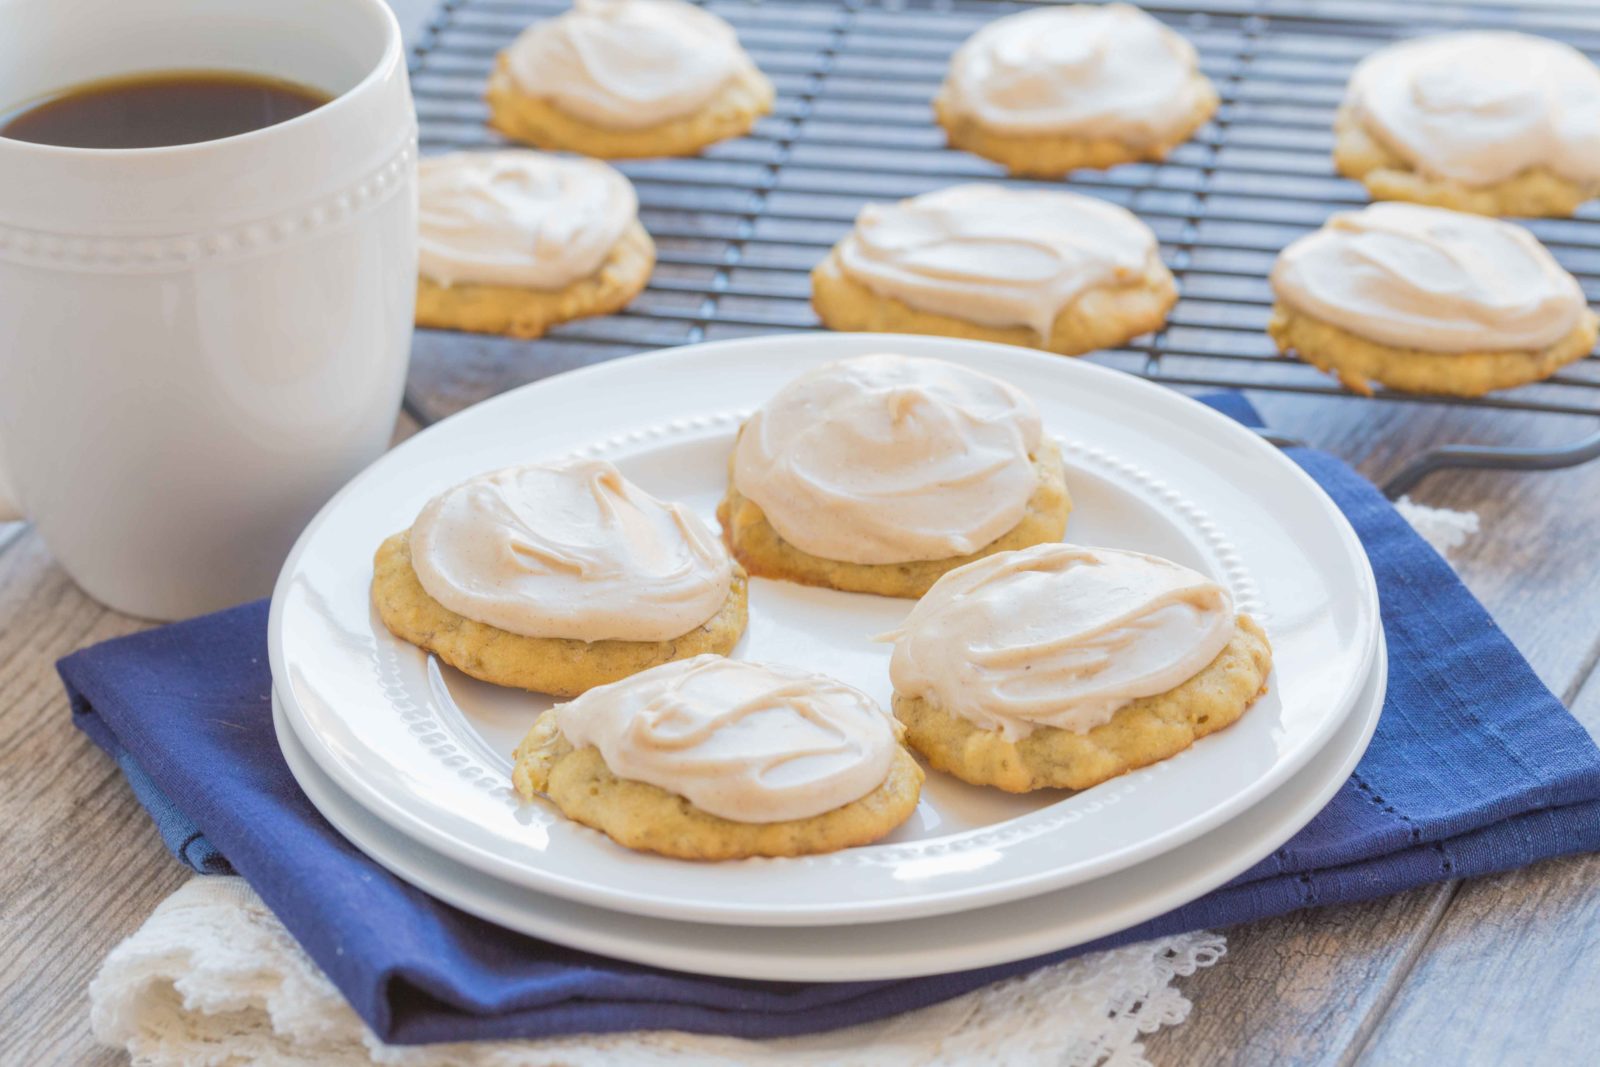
(1091, 72)
(627, 64)
(571, 550)
(1058, 635)
(889, 459)
(996, 256)
(1423, 277)
(518, 218)
(744, 741)
(1483, 107)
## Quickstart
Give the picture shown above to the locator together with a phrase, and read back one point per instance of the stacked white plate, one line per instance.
(411, 760)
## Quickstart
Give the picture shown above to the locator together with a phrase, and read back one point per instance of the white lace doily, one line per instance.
(1442, 528)
(213, 979)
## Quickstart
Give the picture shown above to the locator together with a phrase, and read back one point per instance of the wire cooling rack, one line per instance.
(738, 228)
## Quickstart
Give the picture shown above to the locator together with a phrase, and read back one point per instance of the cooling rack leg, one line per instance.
(1515, 459)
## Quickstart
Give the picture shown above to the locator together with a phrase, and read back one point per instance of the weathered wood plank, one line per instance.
(84, 865)
(1300, 988)
(1509, 975)
(1512, 971)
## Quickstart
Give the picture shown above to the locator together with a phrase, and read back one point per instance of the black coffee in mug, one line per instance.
(152, 110)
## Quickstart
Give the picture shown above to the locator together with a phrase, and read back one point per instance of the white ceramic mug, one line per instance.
(199, 344)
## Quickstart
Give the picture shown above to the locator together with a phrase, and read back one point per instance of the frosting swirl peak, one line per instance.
(627, 64)
(1482, 107)
(569, 550)
(518, 218)
(743, 741)
(1431, 279)
(1058, 635)
(1092, 72)
(889, 459)
(996, 256)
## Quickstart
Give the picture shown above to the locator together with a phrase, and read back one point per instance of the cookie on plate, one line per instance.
(558, 578)
(1039, 268)
(1426, 300)
(1494, 123)
(514, 242)
(713, 759)
(627, 78)
(1051, 90)
(880, 473)
(1061, 667)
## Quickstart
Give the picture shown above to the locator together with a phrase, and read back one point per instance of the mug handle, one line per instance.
(10, 510)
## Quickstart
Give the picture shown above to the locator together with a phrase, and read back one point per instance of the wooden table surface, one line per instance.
(1499, 970)
(1504, 969)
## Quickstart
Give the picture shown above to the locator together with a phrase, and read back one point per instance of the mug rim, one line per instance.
(390, 57)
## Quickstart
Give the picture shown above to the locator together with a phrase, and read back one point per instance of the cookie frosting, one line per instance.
(627, 64)
(889, 459)
(570, 550)
(1090, 72)
(995, 256)
(743, 741)
(1483, 107)
(1431, 279)
(518, 218)
(1058, 635)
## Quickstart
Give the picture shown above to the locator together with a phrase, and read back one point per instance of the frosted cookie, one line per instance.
(1061, 667)
(877, 474)
(1043, 269)
(557, 578)
(515, 242)
(1427, 301)
(714, 759)
(626, 78)
(1496, 123)
(1047, 91)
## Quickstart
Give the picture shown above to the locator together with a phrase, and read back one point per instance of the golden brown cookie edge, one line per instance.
(1357, 361)
(746, 97)
(1103, 317)
(647, 818)
(558, 666)
(1146, 731)
(765, 554)
(528, 313)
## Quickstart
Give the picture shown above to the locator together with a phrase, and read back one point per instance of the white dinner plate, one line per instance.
(1019, 930)
(427, 749)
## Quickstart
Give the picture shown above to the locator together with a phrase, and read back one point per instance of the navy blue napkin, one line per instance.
(1475, 767)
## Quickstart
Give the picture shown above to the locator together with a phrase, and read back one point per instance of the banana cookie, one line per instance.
(1495, 123)
(1061, 667)
(1425, 300)
(1048, 91)
(514, 242)
(558, 578)
(1038, 268)
(880, 473)
(714, 759)
(627, 78)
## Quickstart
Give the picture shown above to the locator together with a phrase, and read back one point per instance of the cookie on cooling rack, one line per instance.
(1495, 123)
(880, 473)
(1059, 667)
(1039, 268)
(514, 242)
(713, 759)
(558, 578)
(1425, 300)
(627, 78)
(1051, 90)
